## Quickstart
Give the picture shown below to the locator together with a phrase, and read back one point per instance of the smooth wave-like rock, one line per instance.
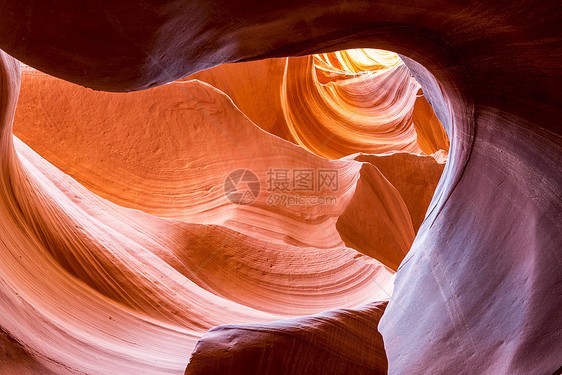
(176, 268)
(121, 281)
(364, 112)
(155, 136)
(414, 176)
(479, 289)
(334, 104)
(343, 341)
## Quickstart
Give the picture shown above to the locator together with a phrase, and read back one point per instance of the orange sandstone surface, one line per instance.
(126, 196)
(255, 190)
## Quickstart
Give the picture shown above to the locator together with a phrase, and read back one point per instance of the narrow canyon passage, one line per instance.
(219, 207)
(159, 234)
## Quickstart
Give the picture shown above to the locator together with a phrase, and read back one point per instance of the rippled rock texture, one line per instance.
(129, 201)
(119, 247)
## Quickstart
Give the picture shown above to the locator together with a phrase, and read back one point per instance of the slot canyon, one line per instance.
(309, 188)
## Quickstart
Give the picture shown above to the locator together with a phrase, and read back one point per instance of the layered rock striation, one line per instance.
(82, 284)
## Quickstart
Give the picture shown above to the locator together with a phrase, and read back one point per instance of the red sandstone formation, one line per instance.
(140, 281)
(334, 342)
(145, 149)
(334, 104)
(119, 248)
(220, 262)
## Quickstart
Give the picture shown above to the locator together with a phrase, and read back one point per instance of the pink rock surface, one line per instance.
(478, 292)
(343, 341)
(154, 253)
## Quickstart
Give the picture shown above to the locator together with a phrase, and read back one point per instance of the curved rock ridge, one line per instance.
(362, 112)
(155, 136)
(121, 281)
(182, 257)
(478, 292)
(334, 104)
(342, 341)
(355, 61)
(362, 102)
(417, 188)
(431, 136)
